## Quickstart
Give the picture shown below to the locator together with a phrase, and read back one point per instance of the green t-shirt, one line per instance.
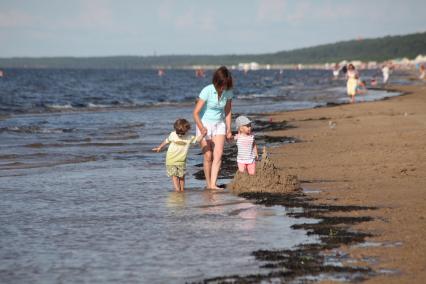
(214, 109)
(178, 148)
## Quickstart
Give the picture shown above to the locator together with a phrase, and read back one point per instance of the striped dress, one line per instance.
(245, 147)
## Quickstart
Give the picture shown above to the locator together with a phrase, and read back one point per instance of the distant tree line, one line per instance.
(378, 49)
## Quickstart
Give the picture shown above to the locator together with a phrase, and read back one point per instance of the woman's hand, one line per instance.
(203, 131)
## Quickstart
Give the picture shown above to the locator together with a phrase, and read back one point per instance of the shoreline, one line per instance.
(368, 154)
(359, 166)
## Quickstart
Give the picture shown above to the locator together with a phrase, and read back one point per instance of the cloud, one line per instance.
(191, 20)
(271, 10)
(96, 12)
(165, 9)
(16, 19)
(301, 11)
(296, 12)
(91, 14)
(185, 20)
(281, 11)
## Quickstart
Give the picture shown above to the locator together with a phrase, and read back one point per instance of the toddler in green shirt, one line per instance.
(177, 152)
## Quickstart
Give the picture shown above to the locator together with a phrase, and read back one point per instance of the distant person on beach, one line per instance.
(336, 72)
(352, 83)
(361, 88)
(212, 114)
(247, 148)
(177, 152)
(344, 69)
(385, 73)
(422, 70)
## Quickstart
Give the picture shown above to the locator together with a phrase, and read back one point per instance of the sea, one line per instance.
(84, 199)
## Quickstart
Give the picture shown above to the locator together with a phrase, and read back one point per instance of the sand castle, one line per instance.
(266, 179)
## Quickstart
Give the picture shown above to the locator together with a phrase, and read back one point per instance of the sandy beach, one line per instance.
(368, 154)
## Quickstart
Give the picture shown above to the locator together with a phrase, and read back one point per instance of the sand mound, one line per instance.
(266, 179)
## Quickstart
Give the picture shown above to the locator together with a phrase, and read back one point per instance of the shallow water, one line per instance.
(83, 198)
(109, 224)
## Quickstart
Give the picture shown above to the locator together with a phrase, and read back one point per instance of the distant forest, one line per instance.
(378, 49)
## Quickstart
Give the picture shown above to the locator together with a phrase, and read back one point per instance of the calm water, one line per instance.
(83, 198)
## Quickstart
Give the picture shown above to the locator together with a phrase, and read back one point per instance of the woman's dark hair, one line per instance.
(181, 126)
(222, 78)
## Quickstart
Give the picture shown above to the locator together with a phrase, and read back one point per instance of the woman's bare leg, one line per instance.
(218, 144)
(206, 147)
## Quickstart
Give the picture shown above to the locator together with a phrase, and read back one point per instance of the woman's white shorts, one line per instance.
(213, 129)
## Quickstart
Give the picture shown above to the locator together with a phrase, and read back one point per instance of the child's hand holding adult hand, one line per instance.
(229, 135)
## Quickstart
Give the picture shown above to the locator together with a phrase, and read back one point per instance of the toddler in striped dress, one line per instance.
(247, 148)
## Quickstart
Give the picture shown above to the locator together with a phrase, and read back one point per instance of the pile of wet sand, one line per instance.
(268, 178)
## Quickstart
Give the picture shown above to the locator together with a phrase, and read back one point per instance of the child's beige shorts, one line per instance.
(177, 171)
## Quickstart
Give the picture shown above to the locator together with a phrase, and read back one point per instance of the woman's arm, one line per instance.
(228, 118)
(196, 114)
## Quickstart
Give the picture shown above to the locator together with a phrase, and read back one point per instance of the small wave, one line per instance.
(42, 164)
(256, 96)
(59, 107)
(20, 156)
(35, 130)
(163, 103)
(8, 157)
(92, 105)
(35, 145)
(135, 125)
(121, 137)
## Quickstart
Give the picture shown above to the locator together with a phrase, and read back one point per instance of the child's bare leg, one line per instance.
(176, 183)
(241, 167)
(251, 168)
(182, 183)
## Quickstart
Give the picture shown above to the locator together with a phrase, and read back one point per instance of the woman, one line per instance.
(352, 83)
(212, 114)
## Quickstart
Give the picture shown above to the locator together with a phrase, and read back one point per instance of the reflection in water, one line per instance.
(176, 199)
(214, 200)
(248, 212)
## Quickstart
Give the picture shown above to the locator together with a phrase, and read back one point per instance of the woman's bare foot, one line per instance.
(216, 188)
(207, 186)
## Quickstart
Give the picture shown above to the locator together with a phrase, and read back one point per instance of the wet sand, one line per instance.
(371, 154)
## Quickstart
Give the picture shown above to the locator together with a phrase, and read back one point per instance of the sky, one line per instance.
(40, 28)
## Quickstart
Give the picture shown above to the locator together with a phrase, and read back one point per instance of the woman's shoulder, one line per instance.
(208, 88)
(207, 91)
